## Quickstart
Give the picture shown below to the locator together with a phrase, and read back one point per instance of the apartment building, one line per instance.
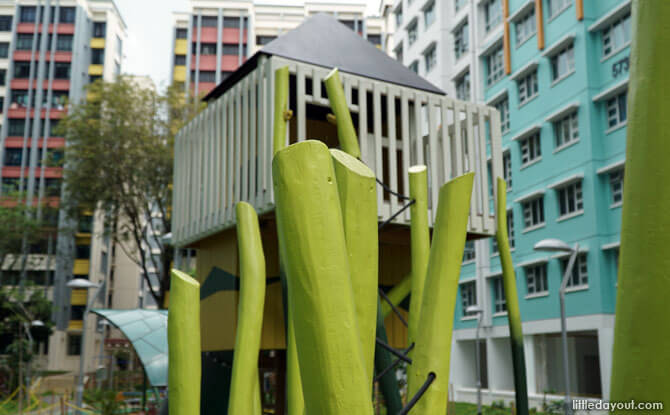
(557, 70)
(49, 51)
(216, 37)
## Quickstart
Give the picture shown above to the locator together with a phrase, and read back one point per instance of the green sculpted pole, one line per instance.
(345, 125)
(433, 340)
(420, 244)
(397, 295)
(184, 345)
(244, 388)
(357, 191)
(311, 229)
(641, 361)
(281, 114)
(512, 299)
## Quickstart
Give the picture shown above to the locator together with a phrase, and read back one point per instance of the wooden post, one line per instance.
(539, 16)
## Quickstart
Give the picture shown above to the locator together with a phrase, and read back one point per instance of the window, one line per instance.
(503, 108)
(16, 127)
(533, 212)
(398, 16)
(580, 276)
(64, 43)
(461, 42)
(412, 32)
(536, 279)
(73, 344)
(567, 130)
(67, 14)
(430, 57)
(99, 29)
(19, 97)
(207, 76)
(27, 14)
(531, 149)
(563, 63)
(231, 49)
(616, 36)
(510, 228)
(97, 56)
(119, 46)
(616, 187)
(233, 22)
(525, 27)
(507, 169)
(375, 39)
(570, 199)
(617, 110)
(5, 23)
(463, 87)
(181, 33)
(24, 41)
(414, 67)
(527, 87)
(468, 297)
(398, 53)
(4, 49)
(94, 78)
(429, 14)
(495, 68)
(458, 4)
(264, 40)
(2, 99)
(21, 70)
(13, 156)
(208, 48)
(3, 76)
(210, 21)
(556, 7)
(499, 302)
(61, 70)
(52, 189)
(180, 60)
(492, 14)
(469, 251)
(10, 185)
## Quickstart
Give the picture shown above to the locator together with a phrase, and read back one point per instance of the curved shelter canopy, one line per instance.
(147, 331)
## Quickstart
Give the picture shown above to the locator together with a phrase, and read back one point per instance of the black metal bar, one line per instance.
(419, 394)
(395, 215)
(388, 189)
(394, 351)
(394, 364)
(393, 307)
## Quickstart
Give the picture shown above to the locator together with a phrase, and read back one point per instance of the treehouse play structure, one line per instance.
(309, 187)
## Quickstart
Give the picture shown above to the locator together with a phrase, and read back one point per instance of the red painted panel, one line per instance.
(16, 113)
(55, 142)
(60, 56)
(205, 87)
(14, 142)
(58, 84)
(13, 171)
(49, 172)
(207, 62)
(22, 55)
(63, 28)
(208, 35)
(21, 113)
(53, 172)
(229, 63)
(20, 84)
(232, 35)
(52, 142)
(25, 27)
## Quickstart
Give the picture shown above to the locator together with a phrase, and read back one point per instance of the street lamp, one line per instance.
(556, 245)
(81, 283)
(474, 309)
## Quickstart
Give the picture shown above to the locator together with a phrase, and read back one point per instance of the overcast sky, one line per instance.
(147, 50)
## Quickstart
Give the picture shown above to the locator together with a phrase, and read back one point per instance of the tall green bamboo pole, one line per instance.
(433, 341)
(357, 191)
(281, 108)
(311, 229)
(184, 345)
(397, 295)
(388, 384)
(244, 388)
(346, 132)
(512, 300)
(420, 244)
(641, 361)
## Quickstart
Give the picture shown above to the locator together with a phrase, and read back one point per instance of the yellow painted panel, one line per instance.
(95, 70)
(75, 325)
(180, 47)
(78, 297)
(97, 43)
(179, 73)
(81, 266)
(83, 238)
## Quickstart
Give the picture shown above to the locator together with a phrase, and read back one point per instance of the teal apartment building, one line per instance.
(563, 104)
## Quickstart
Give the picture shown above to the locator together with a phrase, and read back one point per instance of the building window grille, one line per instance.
(531, 149)
(533, 212)
(536, 279)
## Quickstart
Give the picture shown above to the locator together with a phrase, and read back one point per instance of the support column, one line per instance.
(529, 350)
(605, 343)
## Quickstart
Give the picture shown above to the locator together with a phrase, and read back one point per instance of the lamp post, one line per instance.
(474, 309)
(80, 283)
(556, 245)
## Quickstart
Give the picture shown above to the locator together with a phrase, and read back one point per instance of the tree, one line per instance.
(119, 161)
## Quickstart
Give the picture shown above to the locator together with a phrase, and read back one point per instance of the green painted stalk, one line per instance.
(641, 361)
(281, 108)
(311, 229)
(184, 369)
(397, 295)
(388, 384)
(346, 133)
(357, 190)
(244, 388)
(295, 400)
(512, 300)
(433, 341)
(420, 245)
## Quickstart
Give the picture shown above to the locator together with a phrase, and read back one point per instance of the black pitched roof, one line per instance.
(322, 40)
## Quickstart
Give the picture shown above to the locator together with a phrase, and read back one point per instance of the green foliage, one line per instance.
(104, 401)
(120, 158)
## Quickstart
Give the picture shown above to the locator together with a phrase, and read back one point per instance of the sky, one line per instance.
(148, 48)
